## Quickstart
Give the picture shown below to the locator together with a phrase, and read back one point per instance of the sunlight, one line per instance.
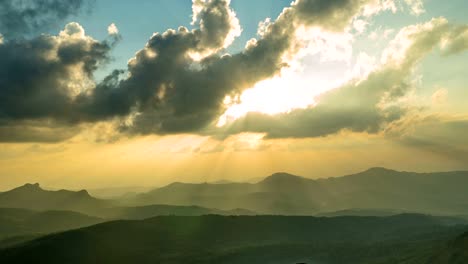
(279, 94)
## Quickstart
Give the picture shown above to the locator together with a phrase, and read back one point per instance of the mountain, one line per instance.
(378, 189)
(282, 193)
(21, 222)
(407, 238)
(32, 196)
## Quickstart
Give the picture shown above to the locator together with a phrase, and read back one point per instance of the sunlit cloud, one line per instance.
(112, 29)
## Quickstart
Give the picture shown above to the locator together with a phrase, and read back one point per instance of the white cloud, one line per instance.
(112, 29)
(380, 33)
(440, 96)
(365, 64)
(402, 47)
(376, 6)
(373, 35)
(360, 25)
(388, 32)
(416, 7)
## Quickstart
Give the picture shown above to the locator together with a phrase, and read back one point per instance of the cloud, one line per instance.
(440, 96)
(456, 42)
(416, 7)
(178, 81)
(112, 29)
(21, 17)
(35, 131)
(368, 105)
(439, 135)
(218, 23)
(169, 91)
(41, 77)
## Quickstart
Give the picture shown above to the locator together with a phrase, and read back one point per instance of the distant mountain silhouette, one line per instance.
(32, 196)
(378, 189)
(282, 193)
(405, 238)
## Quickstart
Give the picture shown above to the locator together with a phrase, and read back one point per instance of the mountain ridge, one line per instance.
(279, 193)
(284, 193)
(32, 196)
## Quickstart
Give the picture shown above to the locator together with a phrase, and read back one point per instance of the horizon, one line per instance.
(254, 180)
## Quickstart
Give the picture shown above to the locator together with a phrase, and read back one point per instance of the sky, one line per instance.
(101, 93)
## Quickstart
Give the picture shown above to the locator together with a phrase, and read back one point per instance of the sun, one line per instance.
(280, 94)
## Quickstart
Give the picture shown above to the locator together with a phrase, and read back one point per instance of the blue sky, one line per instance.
(138, 21)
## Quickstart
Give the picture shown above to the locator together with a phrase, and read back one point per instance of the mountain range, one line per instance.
(380, 189)
(32, 196)
(370, 217)
(283, 193)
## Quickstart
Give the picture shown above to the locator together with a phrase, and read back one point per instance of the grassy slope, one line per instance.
(243, 239)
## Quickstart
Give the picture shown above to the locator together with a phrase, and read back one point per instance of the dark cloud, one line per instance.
(35, 131)
(20, 17)
(332, 15)
(40, 79)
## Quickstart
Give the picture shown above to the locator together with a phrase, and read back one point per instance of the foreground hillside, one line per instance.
(245, 239)
(453, 252)
(20, 222)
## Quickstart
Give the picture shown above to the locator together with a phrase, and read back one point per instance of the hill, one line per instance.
(454, 252)
(243, 239)
(21, 222)
(32, 196)
(281, 193)
(20, 225)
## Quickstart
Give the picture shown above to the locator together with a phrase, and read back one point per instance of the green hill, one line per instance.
(20, 222)
(243, 239)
